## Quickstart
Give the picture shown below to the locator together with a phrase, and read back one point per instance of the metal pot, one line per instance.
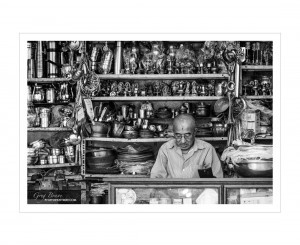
(254, 168)
(218, 128)
(100, 152)
(202, 110)
(100, 129)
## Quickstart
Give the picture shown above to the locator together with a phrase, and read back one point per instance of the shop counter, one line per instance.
(190, 191)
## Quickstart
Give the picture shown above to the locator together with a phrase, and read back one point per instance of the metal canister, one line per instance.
(29, 94)
(44, 122)
(118, 58)
(55, 151)
(50, 95)
(31, 71)
(40, 63)
(55, 159)
(43, 161)
(61, 159)
(106, 60)
(53, 56)
(50, 159)
(94, 58)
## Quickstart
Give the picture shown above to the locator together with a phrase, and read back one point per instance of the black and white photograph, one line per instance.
(149, 122)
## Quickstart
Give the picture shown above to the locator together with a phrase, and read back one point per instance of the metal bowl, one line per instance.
(130, 134)
(100, 152)
(254, 169)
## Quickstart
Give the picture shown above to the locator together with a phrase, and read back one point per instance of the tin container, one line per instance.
(142, 113)
(31, 69)
(44, 122)
(153, 201)
(55, 151)
(40, 64)
(53, 56)
(164, 200)
(187, 200)
(61, 159)
(177, 201)
(50, 95)
(55, 159)
(43, 161)
(51, 159)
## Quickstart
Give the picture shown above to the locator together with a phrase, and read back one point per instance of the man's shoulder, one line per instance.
(169, 144)
(202, 144)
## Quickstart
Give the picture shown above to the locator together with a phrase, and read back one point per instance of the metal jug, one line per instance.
(38, 94)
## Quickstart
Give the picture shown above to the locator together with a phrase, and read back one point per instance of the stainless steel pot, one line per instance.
(254, 168)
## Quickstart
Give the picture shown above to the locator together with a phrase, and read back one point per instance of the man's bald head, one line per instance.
(184, 121)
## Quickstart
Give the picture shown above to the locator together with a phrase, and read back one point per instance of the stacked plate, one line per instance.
(134, 154)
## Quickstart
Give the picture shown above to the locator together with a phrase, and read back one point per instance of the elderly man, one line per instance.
(183, 156)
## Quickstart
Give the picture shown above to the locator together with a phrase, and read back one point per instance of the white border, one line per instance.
(275, 207)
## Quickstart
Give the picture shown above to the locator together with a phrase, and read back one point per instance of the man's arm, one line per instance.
(214, 160)
(159, 169)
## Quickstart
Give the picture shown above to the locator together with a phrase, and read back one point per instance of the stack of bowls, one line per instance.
(130, 132)
(146, 133)
(98, 159)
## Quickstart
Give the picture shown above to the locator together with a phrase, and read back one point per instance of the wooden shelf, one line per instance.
(156, 98)
(258, 97)
(257, 68)
(46, 80)
(162, 76)
(114, 176)
(49, 104)
(62, 165)
(69, 177)
(48, 129)
(266, 138)
(149, 140)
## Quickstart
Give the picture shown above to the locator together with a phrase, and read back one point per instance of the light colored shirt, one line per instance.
(171, 163)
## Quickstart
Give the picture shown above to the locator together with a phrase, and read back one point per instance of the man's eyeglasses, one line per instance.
(185, 136)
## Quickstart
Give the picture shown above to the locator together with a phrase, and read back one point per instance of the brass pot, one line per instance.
(202, 110)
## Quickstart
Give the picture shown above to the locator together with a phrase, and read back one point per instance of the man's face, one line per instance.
(184, 136)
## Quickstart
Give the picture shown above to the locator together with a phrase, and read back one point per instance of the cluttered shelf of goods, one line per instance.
(123, 116)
